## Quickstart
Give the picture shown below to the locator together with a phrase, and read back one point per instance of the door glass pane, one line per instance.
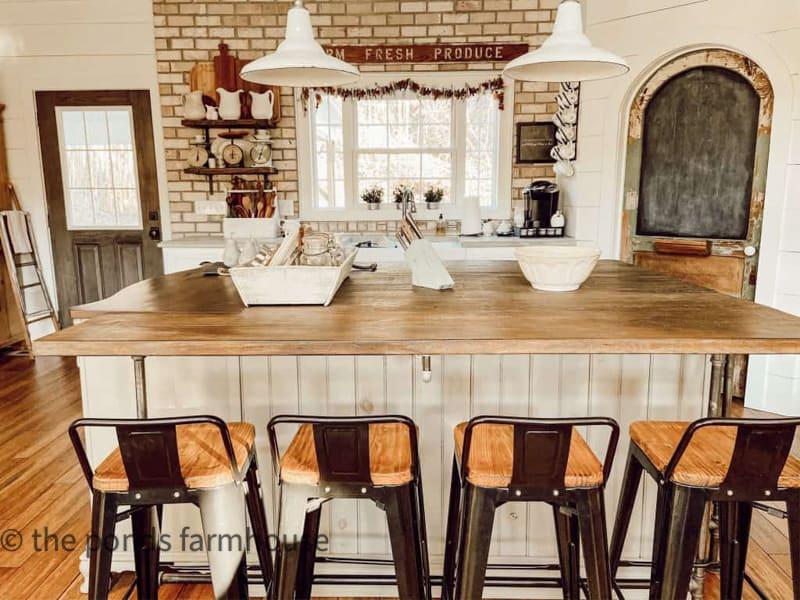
(98, 162)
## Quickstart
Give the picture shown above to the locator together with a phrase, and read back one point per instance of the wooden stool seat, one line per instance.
(708, 457)
(204, 462)
(492, 458)
(389, 456)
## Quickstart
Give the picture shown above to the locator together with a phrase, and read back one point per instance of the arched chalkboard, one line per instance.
(698, 154)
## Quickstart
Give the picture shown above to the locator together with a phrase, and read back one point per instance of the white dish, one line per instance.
(557, 268)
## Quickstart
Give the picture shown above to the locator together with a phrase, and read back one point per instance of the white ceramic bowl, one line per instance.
(557, 268)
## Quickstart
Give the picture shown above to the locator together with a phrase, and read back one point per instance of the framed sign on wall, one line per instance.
(534, 142)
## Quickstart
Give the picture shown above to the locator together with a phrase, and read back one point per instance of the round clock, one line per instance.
(261, 154)
(233, 155)
(198, 156)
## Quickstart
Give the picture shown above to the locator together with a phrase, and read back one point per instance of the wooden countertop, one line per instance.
(492, 310)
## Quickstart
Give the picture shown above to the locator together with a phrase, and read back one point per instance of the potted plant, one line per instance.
(373, 196)
(400, 192)
(433, 197)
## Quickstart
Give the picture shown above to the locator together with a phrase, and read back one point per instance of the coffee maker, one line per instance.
(541, 203)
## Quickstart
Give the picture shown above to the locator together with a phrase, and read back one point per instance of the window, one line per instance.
(462, 147)
(98, 161)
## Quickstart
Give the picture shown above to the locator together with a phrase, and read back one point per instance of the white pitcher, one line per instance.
(193, 105)
(230, 106)
(262, 104)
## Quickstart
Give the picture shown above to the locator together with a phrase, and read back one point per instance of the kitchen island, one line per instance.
(630, 344)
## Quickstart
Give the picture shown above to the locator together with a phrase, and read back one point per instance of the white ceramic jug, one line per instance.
(261, 105)
(193, 105)
(230, 106)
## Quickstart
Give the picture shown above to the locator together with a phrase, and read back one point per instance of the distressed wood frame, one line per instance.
(748, 69)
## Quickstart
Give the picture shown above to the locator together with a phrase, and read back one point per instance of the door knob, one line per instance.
(750, 251)
(154, 233)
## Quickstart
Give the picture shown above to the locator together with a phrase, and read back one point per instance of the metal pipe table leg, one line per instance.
(140, 385)
(708, 546)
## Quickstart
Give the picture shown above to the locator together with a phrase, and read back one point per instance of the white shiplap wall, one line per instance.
(648, 33)
(69, 45)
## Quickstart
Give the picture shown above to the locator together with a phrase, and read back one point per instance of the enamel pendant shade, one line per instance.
(567, 55)
(299, 61)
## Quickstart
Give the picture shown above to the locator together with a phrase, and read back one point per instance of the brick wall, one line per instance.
(188, 31)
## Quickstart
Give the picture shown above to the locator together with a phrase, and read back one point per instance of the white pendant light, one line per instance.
(567, 55)
(299, 61)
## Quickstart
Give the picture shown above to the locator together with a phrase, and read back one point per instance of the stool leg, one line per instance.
(592, 520)
(793, 508)
(477, 520)
(687, 506)
(145, 526)
(258, 521)
(627, 500)
(661, 525)
(734, 535)
(308, 555)
(222, 513)
(567, 537)
(101, 547)
(422, 537)
(451, 538)
(291, 521)
(404, 534)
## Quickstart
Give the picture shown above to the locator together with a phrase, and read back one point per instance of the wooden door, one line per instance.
(102, 191)
(696, 167)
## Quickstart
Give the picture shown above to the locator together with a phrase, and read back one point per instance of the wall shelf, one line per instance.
(229, 124)
(231, 171)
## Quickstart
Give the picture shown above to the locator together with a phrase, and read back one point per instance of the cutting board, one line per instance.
(203, 78)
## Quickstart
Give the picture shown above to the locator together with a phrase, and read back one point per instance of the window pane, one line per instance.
(372, 136)
(100, 169)
(404, 111)
(123, 169)
(77, 167)
(127, 202)
(436, 111)
(404, 166)
(404, 136)
(81, 211)
(436, 136)
(371, 111)
(119, 130)
(73, 130)
(96, 129)
(104, 213)
(373, 165)
(436, 165)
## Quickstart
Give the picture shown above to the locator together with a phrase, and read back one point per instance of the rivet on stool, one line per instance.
(556, 492)
(767, 493)
(138, 496)
(176, 494)
(363, 490)
(518, 493)
(729, 492)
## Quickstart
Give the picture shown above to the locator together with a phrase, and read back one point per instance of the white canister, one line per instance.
(557, 220)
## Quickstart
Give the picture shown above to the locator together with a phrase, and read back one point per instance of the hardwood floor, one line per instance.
(42, 489)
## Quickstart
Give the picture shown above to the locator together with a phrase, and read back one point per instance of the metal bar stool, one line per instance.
(350, 457)
(198, 460)
(500, 459)
(731, 461)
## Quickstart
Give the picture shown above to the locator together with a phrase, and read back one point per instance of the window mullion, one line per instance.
(349, 139)
(458, 133)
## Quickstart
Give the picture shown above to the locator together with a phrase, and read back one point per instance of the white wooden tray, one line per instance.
(290, 284)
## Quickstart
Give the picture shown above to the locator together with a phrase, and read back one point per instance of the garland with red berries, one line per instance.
(495, 86)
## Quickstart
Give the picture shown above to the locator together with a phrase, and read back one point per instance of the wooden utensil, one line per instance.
(203, 78)
(225, 73)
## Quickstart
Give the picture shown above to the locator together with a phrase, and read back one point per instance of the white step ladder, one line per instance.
(16, 261)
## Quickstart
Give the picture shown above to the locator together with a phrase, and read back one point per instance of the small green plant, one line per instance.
(434, 195)
(372, 195)
(402, 190)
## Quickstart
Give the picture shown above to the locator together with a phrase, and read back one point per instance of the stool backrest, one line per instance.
(342, 445)
(541, 448)
(149, 448)
(759, 455)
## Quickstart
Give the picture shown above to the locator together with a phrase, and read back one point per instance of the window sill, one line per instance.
(388, 212)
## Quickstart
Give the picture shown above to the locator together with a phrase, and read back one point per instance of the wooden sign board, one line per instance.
(428, 53)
